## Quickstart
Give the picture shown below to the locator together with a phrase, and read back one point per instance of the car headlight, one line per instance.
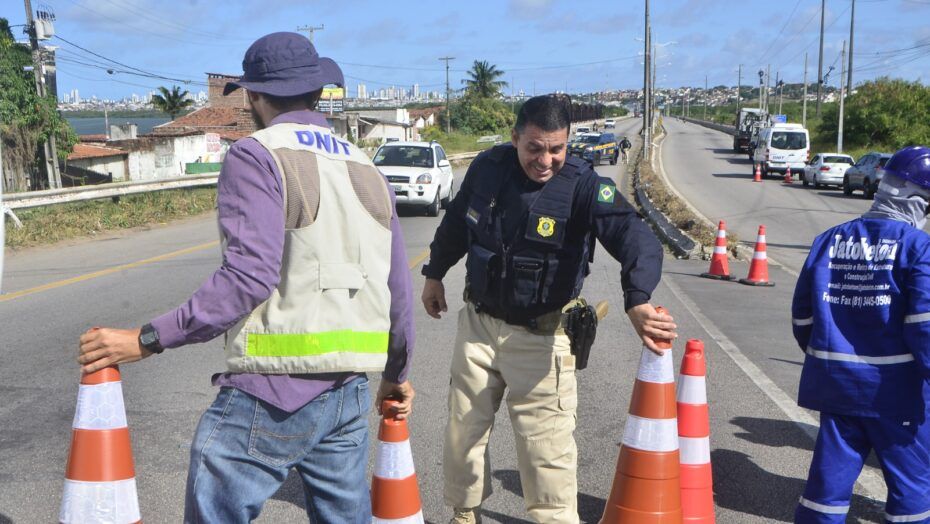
(425, 178)
(589, 149)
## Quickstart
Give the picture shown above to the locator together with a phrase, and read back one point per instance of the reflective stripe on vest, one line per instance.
(299, 345)
(916, 318)
(823, 508)
(860, 359)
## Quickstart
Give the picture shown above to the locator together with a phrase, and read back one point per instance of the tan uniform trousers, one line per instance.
(537, 370)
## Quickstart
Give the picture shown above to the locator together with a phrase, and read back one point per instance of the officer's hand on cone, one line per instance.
(102, 347)
(651, 325)
(403, 393)
(434, 297)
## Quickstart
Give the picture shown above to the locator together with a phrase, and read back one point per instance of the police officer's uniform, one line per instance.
(861, 313)
(528, 248)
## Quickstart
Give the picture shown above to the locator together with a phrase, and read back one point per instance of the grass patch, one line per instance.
(50, 224)
(676, 210)
(454, 143)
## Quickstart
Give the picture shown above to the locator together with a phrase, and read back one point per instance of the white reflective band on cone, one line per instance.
(860, 359)
(822, 508)
(413, 519)
(720, 250)
(112, 502)
(721, 233)
(394, 460)
(694, 451)
(907, 518)
(759, 255)
(656, 368)
(100, 406)
(692, 390)
(649, 434)
(760, 239)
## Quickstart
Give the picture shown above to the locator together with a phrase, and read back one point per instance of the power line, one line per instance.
(780, 31)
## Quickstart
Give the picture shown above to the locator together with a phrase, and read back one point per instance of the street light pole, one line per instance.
(647, 120)
(804, 98)
(49, 148)
(448, 113)
(823, 7)
(739, 87)
(839, 128)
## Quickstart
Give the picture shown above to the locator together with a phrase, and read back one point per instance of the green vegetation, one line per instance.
(26, 120)
(459, 142)
(173, 102)
(50, 224)
(480, 111)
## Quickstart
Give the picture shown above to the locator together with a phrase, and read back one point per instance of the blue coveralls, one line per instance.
(861, 313)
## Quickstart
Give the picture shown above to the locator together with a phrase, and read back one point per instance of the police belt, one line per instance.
(551, 321)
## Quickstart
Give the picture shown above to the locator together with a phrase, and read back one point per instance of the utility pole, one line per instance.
(739, 87)
(839, 129)
(780, 85)
(647, 65)
(448, 113)
(823, 7)
(683, 104)
(768, 77)
(804, 98)
(705, 98)
(852, 26)
(652, 89)
(310, 30)
(761, 77)
(2, 217)
(49, 149)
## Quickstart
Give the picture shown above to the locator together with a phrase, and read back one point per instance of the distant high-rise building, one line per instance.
(362, 92)
(416, 91)
(75, 97)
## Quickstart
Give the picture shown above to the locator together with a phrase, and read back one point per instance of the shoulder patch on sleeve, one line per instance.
(606, 192)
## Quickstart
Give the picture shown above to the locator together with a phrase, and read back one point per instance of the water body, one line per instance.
(95, 126)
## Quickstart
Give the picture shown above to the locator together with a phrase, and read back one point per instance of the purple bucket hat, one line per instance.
(285, 64)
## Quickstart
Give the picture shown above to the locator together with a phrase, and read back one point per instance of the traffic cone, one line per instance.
(757, 176)
(759, 268)
(100, 484)
(395, 497)
(719, 265)
(788, 178)
(697, 494)
(646, 487)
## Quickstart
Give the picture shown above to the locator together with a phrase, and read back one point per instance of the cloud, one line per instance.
(531, 9)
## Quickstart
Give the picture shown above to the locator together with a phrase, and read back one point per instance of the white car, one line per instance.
(580, 130)
(419, 173)
(827, 169)
(610, 123)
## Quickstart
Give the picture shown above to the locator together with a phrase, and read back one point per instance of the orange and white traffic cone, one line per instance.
(100, 484)
(788, 178)
(759, 268)
(697, 494)
(757, 176)
(646, 486)
(719, 265)
(395, 496)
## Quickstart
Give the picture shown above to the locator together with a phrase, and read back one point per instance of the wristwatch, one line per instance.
(148, 338)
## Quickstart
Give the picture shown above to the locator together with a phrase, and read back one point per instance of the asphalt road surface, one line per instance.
(760, 453)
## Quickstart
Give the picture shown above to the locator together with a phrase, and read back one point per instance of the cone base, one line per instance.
(716, 277)
(763, 283)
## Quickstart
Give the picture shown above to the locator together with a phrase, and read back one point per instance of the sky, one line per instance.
(542, 45)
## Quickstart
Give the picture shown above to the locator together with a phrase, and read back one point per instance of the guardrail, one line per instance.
(730, 130)
(75, 194)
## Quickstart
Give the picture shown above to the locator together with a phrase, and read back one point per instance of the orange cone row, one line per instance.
(646, 487)
(100, 483)
(395, 496)
(758, 269)
(697, 496)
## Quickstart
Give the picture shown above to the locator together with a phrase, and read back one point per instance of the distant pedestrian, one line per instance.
(527, 218)
(313, 292)
(861, 313)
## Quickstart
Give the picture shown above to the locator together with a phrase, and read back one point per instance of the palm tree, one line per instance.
(172, 102)
(484, 81)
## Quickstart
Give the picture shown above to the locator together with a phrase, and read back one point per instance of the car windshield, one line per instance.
(788, 140)
(881, 162)
(407, 156)
(589, 139)
(838, 160)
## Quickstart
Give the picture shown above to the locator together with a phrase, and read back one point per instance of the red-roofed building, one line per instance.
(90, 163)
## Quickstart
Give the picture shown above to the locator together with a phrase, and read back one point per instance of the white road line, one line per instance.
(872, 484)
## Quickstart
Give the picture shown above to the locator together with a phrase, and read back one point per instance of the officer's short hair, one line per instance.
(547, 112)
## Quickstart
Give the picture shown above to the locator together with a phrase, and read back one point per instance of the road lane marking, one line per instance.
(105, 272)
(419, 259)
(872, 484)
(167, 256)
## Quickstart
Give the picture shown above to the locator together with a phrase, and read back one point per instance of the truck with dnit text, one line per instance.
(746, 119)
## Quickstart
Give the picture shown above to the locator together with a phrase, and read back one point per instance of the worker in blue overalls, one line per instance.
(861, 313)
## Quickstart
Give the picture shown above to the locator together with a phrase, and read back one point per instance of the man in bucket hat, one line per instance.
(313, 292)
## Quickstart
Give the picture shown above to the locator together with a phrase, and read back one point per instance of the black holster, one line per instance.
(581, 328)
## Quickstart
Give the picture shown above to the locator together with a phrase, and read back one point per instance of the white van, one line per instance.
(782, 146)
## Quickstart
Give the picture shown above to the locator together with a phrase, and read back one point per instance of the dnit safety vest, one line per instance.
(861, 313)
(543, 267)
(330, 311)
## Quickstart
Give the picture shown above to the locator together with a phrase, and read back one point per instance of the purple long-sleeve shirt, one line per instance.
(250, 202)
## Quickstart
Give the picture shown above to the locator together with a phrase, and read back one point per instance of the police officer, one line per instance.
(527, 217)
(625, 146)
(861, 313)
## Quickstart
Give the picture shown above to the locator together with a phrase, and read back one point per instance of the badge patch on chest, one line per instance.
(545, 227)
(473, 216)
(605, 194)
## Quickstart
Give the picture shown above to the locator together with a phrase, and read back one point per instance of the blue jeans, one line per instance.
(244, 448)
